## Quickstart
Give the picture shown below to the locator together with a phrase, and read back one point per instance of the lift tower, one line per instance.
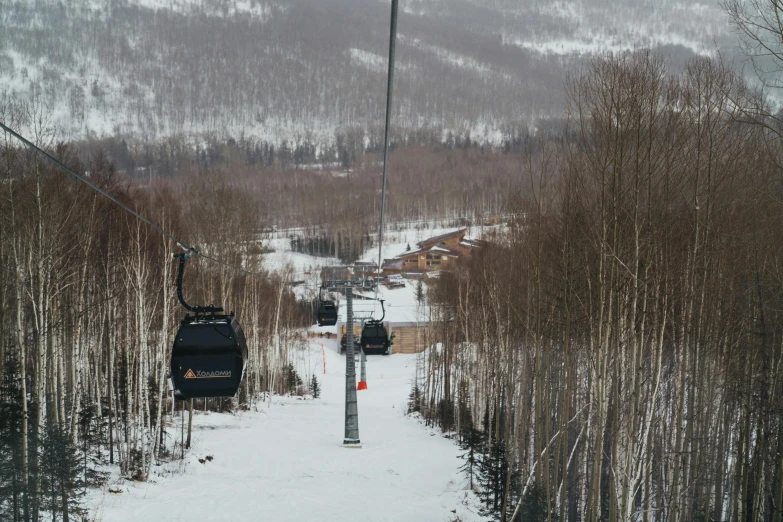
(351, 439)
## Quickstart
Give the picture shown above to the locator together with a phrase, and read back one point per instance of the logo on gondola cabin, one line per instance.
(199, 374)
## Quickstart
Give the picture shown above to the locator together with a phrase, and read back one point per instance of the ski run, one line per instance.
(284, 459)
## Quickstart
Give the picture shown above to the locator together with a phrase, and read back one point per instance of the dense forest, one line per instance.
(616, 355)
(337, 204)
(87, 314)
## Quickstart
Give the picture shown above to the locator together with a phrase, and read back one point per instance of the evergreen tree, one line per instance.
(464, 411)
(11, 487)
(472, 444)
(32, 499)
(446, 415)
(493, 465)
(534, 505)
(515, 491)
(315, 387)
(292, 378)
(419, 291)
(491, 479)
(345, 158)
(270, 156)
(91, 428)
(60, 470)
(471, 439)
(414, 399)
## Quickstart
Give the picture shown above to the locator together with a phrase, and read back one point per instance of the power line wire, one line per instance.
(180, 243)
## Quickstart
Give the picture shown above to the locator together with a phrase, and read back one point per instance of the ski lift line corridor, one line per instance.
(184, 246)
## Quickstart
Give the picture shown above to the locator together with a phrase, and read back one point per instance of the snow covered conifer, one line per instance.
(315, 387)
(292, 379)
(414, 399)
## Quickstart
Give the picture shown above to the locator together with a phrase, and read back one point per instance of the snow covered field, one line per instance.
(285, 462)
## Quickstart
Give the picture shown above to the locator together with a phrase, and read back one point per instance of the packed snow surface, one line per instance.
(285, 461)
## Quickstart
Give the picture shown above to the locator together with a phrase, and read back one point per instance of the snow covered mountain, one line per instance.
(303, 70)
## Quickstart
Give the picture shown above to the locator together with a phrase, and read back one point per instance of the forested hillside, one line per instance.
(308, 70)
(617, 355)
(88, 310)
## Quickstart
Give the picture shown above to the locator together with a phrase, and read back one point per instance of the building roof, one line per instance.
(392, 264)
(364, 267)
(434, 248)
(446, 250)
(412, 252)
(436, 239)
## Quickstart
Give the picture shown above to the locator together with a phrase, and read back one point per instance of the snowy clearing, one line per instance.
(285, 461)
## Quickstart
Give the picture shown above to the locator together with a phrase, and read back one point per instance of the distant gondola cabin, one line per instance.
(327, 313)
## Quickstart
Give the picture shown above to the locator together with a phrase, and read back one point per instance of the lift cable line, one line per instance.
(389, 92)
(373, 331)
(188, 249)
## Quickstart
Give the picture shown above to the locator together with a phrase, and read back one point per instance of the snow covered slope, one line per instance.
(285, 461)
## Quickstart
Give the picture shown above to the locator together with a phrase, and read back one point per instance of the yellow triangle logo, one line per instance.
(190, 375)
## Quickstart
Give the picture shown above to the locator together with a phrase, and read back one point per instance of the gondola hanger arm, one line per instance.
(180, 272)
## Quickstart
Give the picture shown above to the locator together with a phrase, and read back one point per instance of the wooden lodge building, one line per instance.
(432, 254)
(411, 335)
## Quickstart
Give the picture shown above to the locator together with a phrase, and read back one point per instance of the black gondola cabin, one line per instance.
(344, 344)
(327, 313)
(375, 339)
(208, 358)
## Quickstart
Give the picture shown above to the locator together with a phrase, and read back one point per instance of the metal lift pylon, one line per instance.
(351, 439)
